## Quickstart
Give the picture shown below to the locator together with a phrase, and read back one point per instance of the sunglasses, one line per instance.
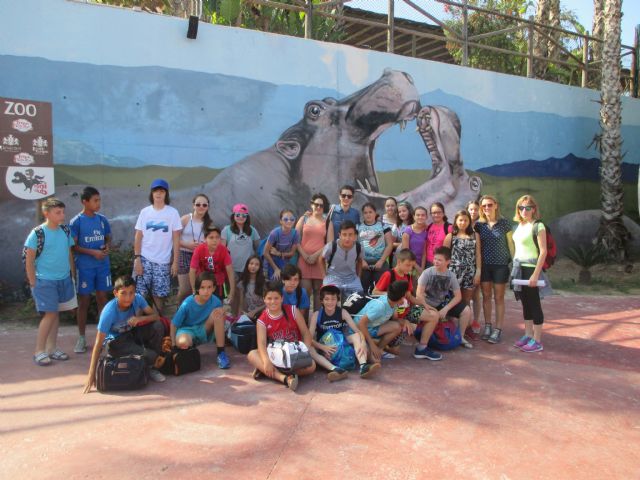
(528, 208)
(346, 195)
(288, 219)
(317, 205)
(241, 215)
(488, 205)
(201, 204)
(439, 212)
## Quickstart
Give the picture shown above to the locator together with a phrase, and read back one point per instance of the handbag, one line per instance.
(289, 356)
(121, 373)
(242, 335)
(181, 361)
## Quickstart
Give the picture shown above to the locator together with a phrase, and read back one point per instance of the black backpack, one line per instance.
(356, 302)
(39, 231)
(181, 361)
(334, 249)
(446, 227)
(121, 373)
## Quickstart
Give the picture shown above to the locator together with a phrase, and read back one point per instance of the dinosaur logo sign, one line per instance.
(29, 183)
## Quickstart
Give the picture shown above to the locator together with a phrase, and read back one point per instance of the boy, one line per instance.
(127, 326)
(292, 292)
(434, 286)
(92, 236)
(343, 261)
(213, 256)
(200, 319)
(341, 212)
(375, 320)
(49, 267)
(418, 312)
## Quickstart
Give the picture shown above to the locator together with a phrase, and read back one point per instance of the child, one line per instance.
(434, 286)
(473, 207)
(466, 258)
(240, 237)
(156, 241)
(279, 322)
(250, 288)
(419, 313)
(200, 319)
(375, 320)
(214, 257)
(127, 326)
(92, 236)
(436, 231)
(50, 269)
(292, 292)
(281, 245)
(343, 260)
(377, 244)
(331, 316)
(414, 237)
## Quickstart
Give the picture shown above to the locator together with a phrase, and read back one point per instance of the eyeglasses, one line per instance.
(288, 219)
(346, 195)
(438, 212)
(241, 215)
(317, 205)
(201, 204)
(528, 208)
(488, 205)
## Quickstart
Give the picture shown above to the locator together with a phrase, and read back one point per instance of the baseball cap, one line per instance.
(240, 208)
(330, 288)
(160, 183)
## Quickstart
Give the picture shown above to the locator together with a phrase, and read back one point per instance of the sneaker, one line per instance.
(487, 331)
(466, 343)
(81, 345)
(522, 342)
(156, 376)
(532, 347)
(475, 326)
(292, 382)
(223, 361)
(427, 353)
(337, 374)
(388, 355)
(470, 334)
(495, 336)
(368, 369)
(59, 355)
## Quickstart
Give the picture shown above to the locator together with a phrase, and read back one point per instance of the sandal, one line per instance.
(291, 381)
(59, 355)
(42, 359)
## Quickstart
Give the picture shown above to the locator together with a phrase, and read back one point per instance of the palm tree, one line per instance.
(612, 235)
(547, 13)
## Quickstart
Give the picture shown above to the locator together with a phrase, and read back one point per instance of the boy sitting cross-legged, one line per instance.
(419, 312)
(200, 319)
(127, 326)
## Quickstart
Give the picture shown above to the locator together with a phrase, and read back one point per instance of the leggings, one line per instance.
(530, 297)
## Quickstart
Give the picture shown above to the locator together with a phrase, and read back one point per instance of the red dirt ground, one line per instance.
(572, 411)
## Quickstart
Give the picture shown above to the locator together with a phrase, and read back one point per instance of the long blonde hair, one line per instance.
(483, 217)
(532, 201)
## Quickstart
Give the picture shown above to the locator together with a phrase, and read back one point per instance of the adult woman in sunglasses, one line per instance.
(313, 233)
(497, 249)
(194, 225)
(340, 213)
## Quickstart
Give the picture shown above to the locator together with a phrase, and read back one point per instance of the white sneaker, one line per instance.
(388, 355)
(81, 345)
(156, 376)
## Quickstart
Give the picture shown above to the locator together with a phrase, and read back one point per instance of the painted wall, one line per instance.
(134, 99)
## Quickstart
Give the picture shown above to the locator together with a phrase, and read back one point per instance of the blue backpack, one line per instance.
(344, 356)
(446, 336)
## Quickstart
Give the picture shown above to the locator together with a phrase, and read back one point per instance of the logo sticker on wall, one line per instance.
(10, 144)
(40, 146)
(22, 125)
(23, 159)
(30, 183)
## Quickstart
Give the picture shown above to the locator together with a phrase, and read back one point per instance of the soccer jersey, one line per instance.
(283, 327)
(90, 232)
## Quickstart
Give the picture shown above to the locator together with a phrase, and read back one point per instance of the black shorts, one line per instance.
(495, 273)
(457, 310)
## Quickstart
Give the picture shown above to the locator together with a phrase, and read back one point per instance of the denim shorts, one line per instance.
(54, 295)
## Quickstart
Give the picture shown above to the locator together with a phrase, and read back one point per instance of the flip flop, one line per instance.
(59, 355)
(42, 359)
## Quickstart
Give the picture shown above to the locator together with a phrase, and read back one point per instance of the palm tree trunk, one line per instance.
(547, 13)
(612, 234)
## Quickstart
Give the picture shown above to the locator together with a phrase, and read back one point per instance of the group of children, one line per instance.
(417, 275)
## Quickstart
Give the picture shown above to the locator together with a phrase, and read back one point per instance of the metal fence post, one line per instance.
(390, 45)
(585, 60)
(465, 34)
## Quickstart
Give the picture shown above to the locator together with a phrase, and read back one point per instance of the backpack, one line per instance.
(446, 227)
(121, 373)
(334, 249)
(552, 248)
(39, 231)
(344, 356)
(356, 302)
(446, 336)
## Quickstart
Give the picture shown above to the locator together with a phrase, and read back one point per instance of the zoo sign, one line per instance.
(26, 149)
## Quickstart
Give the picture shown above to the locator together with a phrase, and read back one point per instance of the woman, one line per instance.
(377, 244)
(194, 225)
(497, 248)
(473, 207)
(312, 232)
(527, 265)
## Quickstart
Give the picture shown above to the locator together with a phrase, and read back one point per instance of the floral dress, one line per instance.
(463, 260)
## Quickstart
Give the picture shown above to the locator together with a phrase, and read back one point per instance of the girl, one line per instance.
(240, 237)
(331, 316)
(250, 289)
(390, 216)
(405, 218)
(497, 249)
(312, 232)
(465, 263)
(415, 237)
(377, 244)
(281, 245)
(278, 322)
(473, 207)
(214, 257)
(436, 231)
(527, 265)
(193, 227)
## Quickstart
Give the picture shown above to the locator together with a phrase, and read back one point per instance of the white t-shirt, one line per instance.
(157, 227)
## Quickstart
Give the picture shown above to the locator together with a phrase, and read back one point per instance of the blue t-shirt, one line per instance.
(338, 216)
(191, 313)
(493, 242)
(90, 232)
(378, 311)
(292, 299)
(53, 261)
(113, 321)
